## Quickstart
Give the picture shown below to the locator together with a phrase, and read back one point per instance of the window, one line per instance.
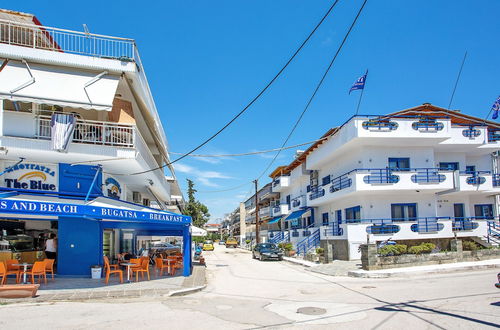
(286, 224)
(470, 169)
(288, 200)
(308, 188)
(339, 216)
(404, 212)
(459, 210)
(399, 164)
(326, 180)
(353, 213)
(484, 211)
(325, 219)
(447, 166)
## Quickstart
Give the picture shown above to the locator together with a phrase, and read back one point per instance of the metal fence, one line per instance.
(91, 132)
(66, 41)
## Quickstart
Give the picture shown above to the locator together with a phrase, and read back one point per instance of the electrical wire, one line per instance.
(262, 91)
(313, 95)
(247, 153)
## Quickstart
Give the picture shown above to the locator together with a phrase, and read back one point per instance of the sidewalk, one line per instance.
(82, 289)
(430, 269)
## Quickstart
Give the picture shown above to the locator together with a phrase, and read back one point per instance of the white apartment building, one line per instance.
(79, 127)
(424, 173)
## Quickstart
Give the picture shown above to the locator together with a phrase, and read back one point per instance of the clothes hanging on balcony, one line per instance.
(62, 126)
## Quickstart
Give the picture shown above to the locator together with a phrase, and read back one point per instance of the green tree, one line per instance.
(194, 208)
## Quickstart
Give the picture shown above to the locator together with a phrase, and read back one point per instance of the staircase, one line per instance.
(493, 237)
(309, 242)
(279, 237)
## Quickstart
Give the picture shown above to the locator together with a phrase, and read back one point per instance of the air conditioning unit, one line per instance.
(136, 197)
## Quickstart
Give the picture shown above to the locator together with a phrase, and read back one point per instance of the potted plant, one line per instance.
(288, 249)
(320, 252)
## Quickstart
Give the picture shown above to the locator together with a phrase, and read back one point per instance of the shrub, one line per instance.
(320, 251)
(247, 241)
(469, 246)
(392, 250)
(286, 246)
(422, 248)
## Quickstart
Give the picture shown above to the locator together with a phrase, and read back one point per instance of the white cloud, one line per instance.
(204, 177)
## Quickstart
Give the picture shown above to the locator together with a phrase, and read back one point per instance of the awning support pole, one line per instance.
(93, 182)
(26, 84)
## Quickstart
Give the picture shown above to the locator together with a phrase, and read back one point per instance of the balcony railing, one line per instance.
(471, 133)
(319, 192)
(91, 132)
(340, 182)
(493, 136)
(66, 41)
(428, 175)
(475, 177)
(427, 125)
(380, 125)
(496, 180)
(380, 176)
(276, 182)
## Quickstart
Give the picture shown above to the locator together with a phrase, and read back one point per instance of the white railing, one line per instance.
(66, 41)
(92, 132)
(265, 211)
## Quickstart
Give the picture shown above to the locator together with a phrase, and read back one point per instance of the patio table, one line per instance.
(25, 269)
(128, 264)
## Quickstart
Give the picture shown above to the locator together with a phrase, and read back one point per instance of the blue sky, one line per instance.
(206, 59)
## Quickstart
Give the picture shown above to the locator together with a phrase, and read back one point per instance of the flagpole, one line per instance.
(361, 95)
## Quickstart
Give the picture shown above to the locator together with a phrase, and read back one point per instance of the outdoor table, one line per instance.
(25, 269)
(128, 264)
(168, 262)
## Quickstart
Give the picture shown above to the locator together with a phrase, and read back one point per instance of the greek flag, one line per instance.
(359, 84)
(496, 108)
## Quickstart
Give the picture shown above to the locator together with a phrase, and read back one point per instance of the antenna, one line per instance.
(458, 78)
(86, 29)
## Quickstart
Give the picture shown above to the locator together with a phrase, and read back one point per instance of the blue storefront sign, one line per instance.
(97, 212)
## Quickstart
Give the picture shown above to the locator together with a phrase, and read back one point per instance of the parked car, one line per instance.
(222, 243)
(265, 251)
(208, 246)
(231, 242)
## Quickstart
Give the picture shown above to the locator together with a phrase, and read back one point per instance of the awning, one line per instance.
(27, 82)
(98, 210)
(195, 231)
(274, 220)
(295, 215)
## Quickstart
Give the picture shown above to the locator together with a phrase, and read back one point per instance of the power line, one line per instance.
(252, 101)
(318, 86)
(246, 153)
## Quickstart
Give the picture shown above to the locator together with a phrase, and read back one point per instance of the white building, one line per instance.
(78, 121)
(424, 173)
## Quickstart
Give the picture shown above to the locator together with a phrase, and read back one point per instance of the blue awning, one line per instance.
(295, 215)
(274, 220)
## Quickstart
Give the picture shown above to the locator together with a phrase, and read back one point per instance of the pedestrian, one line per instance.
(51, 247)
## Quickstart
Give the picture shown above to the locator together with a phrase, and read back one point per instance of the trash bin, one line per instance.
(96, 271)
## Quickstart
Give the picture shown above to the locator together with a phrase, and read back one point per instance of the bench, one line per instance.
(18, 290)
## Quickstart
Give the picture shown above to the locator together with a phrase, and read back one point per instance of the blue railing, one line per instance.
(493, 136)
(319, 192)
(383, 175)
(427, 125)
(464, 224)
(471, 133)
(308, 242)
(428, 175)
(340, 182)
(475, 177)
(295, 233)
(380, 125)
(493, 232)
(382, 229)
(279, 236)
(276, 182)
(334, 231)
(496, 180)
(427, 225)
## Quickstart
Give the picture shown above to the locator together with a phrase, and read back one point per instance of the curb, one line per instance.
(184, 292)
(298, 262)
(372, 274)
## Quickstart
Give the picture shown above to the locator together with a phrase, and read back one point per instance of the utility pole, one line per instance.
(257, 227)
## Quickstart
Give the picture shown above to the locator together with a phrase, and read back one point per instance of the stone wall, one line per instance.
(370, 260)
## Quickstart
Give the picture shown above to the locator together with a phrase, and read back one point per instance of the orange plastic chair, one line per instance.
(174, 265)
(4, 272)
(37, 270)
(109, 271)
(160, 266)
(49, 266)
(144, 268)
(11, 269)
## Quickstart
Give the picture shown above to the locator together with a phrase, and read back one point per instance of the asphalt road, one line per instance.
(243, 293)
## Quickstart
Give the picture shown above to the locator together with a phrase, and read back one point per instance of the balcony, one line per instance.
(280, 183)
(479, 181)
(279, 210)
(384, 179)
(265, 212)
(66, 41)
